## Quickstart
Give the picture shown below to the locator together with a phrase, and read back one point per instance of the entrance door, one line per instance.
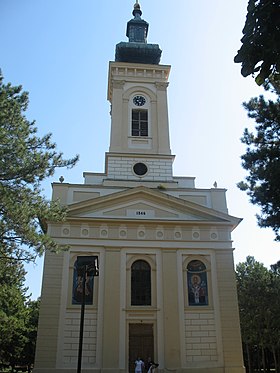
(141, 343)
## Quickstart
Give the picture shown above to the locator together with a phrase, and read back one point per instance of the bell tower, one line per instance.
(137, 90)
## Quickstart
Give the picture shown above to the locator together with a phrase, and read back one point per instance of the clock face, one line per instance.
(139, 100)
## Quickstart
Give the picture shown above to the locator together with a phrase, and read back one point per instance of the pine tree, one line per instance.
(25, 161)
(262, 161)
(260, 50)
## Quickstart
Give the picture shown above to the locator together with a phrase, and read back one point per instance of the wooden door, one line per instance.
(141, 343)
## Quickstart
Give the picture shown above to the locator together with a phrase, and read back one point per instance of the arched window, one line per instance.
(140, 283)
(197, 283)
(139, 116)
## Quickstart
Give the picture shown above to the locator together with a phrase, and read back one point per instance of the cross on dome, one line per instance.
(137, 11)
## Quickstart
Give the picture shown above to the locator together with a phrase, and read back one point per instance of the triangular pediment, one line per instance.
(142, 203)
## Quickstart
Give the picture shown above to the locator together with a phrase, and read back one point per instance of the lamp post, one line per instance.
(86, 266)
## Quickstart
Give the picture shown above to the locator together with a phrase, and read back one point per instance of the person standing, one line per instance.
(150, 365)
(139, 365)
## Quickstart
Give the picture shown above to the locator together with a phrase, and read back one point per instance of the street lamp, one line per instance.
(87, 266)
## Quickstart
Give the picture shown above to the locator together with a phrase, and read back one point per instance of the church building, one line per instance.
(166, 284)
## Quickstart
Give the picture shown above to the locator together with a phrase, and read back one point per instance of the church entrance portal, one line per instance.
(141, 343)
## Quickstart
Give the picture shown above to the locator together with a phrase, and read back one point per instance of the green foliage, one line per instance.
(260, 53)
(13, 312)
(31, 324)
(25, 161)
(262, 161)
(276, 268)
(18, 316)
(258, 295)
(260, 50)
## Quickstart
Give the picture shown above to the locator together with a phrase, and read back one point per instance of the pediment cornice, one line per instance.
(157, 204)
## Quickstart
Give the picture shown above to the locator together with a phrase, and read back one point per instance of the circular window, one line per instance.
(140, 169)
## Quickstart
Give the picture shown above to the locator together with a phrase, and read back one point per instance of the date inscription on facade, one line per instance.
(140, 212)
(133, 213)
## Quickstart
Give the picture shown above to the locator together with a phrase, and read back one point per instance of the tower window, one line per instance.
(139, 125)
(140, 283)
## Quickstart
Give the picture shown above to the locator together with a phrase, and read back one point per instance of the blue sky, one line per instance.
(59, 51)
